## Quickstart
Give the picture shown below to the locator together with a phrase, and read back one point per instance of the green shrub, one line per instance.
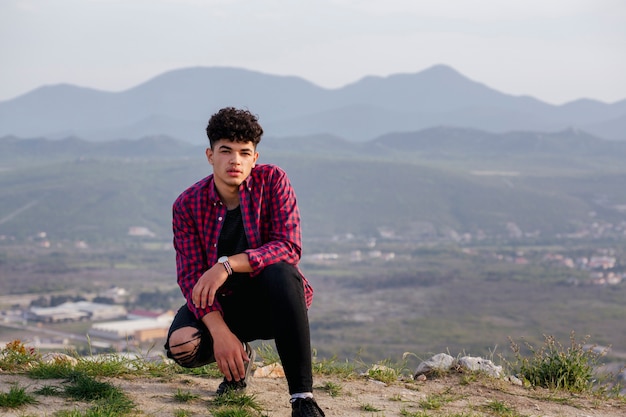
(554, 367)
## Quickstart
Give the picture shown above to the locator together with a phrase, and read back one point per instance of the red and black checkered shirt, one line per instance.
(271, 221)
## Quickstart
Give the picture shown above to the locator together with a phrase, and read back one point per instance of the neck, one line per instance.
(229, 196)
(231, 204)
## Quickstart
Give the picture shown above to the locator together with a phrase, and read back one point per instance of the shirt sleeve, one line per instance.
(191, 260)
(281, 231)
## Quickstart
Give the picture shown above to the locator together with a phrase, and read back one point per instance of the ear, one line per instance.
(209, 155)
(256, 157)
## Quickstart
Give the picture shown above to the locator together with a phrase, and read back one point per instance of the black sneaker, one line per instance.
(240, 385)
(306, 407)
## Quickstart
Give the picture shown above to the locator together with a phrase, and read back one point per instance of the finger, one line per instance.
(202, 298)
(240, 362)
(194, 297)
(211, 296)
(224, 368)
(241, 367)
(232, 369)
(234, 372)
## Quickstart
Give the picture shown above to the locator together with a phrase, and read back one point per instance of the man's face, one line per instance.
(232, 161)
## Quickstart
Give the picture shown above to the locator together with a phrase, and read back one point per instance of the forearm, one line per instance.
(271, 253)
(240, 262)
(214, 321)
(228, 350)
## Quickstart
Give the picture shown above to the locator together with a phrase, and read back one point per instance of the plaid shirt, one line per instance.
(271, 221)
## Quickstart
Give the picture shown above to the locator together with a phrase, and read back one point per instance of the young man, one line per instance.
(238, 242)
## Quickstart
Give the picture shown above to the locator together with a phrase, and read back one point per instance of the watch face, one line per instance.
(222, 259)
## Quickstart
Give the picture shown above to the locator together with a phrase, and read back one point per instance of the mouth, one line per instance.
(233, 172)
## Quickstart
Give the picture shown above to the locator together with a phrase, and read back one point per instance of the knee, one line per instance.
(282, 279)
(282, 271)
(183, 345)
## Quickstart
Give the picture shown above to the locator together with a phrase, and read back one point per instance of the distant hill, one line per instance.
(429, 184)
(178, 104)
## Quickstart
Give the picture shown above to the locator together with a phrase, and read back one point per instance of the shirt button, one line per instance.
(215, 245)
(219, 218)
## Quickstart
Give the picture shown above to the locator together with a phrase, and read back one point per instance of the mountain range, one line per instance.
(178, 104)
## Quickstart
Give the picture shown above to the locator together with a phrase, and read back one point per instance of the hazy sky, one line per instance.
(554, 50)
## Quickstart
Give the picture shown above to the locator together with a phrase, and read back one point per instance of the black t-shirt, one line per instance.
(232, 241)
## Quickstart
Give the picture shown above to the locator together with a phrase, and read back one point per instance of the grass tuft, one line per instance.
(49, 391)
(16, 398)
(185, 396)
(437, 400)
(383, 373)
(86, 388)
(53, 370)
(369, 408)
(238, 399)
(500, 409)
(332, 367)
(109, 400)
(406, 413)
(267, 352)
(332, 388)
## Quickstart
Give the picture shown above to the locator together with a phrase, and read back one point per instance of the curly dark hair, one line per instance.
(236, 125)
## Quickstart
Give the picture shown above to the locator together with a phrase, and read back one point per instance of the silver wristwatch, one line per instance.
(224, 261)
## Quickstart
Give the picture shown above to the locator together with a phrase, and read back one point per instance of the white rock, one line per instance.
(439, 362)
(481, 365)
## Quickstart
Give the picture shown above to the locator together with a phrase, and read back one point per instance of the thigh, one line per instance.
(246, 312)
(252, 311)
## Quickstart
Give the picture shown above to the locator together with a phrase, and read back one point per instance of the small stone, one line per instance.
(56, 357)
(274, 370)
(513, 380)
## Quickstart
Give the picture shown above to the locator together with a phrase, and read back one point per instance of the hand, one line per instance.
(203, 293)
(230, 356)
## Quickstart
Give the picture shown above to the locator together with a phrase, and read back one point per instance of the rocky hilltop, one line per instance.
(454, 393)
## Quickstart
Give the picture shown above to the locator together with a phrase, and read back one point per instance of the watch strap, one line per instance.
(224, 261)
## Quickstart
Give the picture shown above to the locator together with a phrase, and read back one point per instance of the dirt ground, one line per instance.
(357, 397)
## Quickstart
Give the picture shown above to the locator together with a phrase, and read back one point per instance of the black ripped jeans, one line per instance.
(270, 305)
